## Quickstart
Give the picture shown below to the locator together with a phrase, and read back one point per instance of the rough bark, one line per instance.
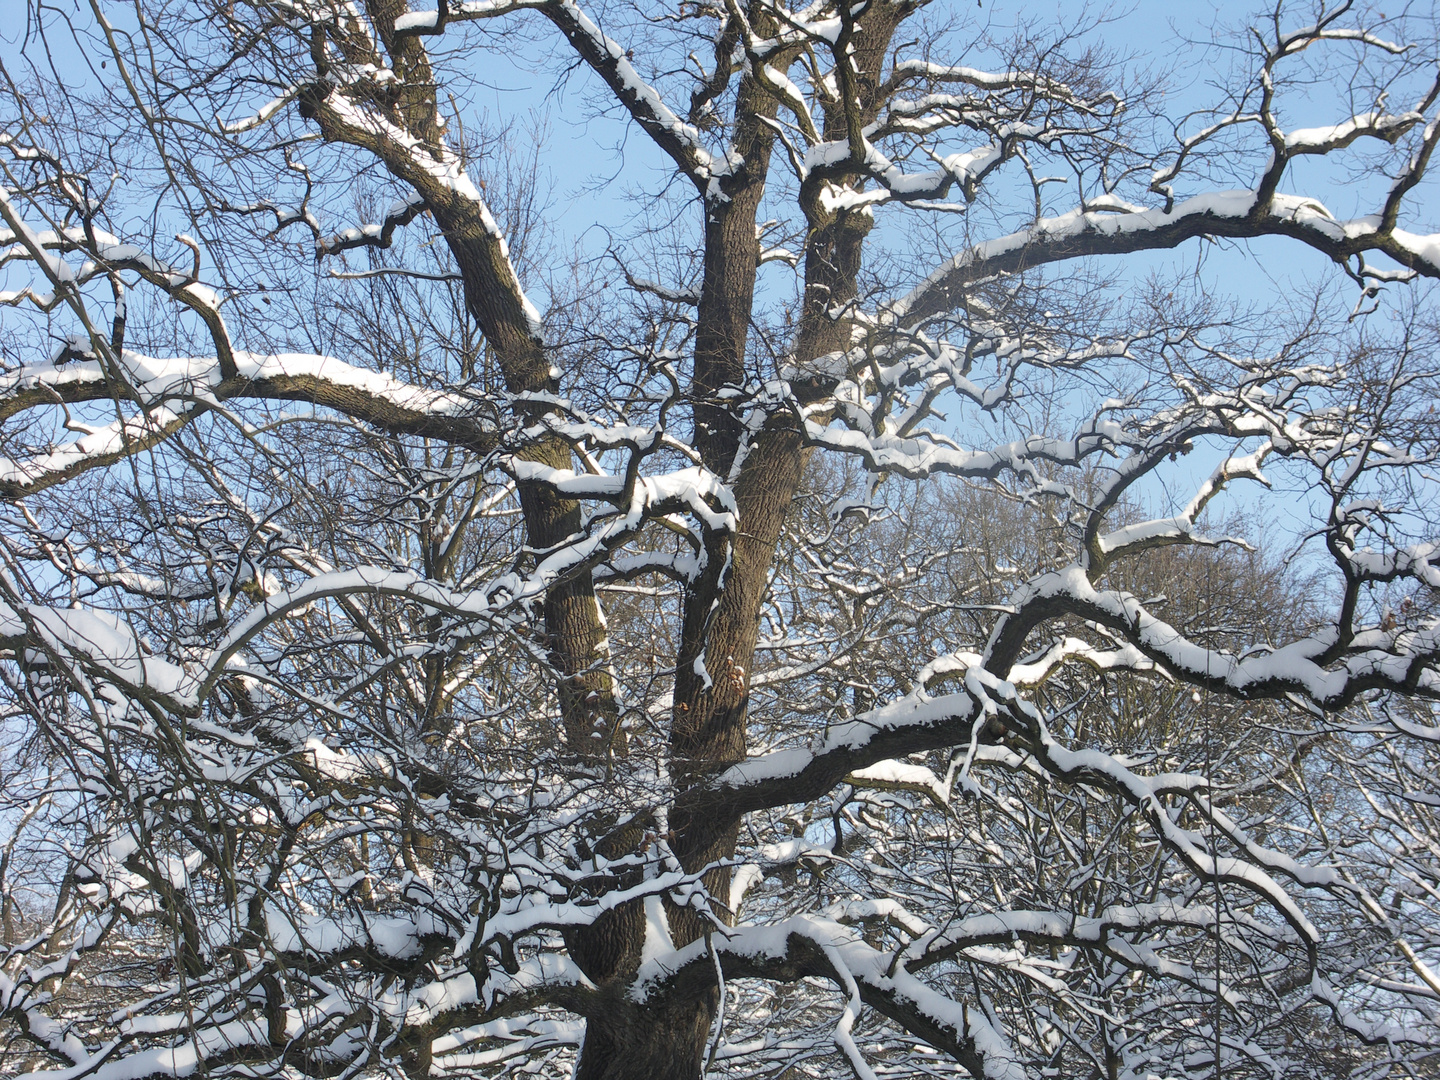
(722, 611)
(663, 1042)
(727, 289)
(494, 298)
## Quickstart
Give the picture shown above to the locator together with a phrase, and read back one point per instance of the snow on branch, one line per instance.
(106, 254)
(93, 640)
(681, 140)
(610, 60)
(1144, 535)
(433, 22)
(811, 946)
(97, 448)
(1368, 660)
(1235, 214)
(377, 235)
(374, 694)
(174, 391)
(437, 173)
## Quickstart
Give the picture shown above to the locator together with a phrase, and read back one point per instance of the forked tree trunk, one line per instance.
(665, 1040)
(721, 620)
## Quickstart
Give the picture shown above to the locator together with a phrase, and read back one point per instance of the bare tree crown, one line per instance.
(787, 637)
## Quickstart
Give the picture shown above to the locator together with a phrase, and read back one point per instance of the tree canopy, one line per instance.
(851, 602)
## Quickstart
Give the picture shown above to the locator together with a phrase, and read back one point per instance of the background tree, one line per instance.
(802, 641)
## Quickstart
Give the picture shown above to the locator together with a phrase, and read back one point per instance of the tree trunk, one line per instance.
(666, 1042)
(721, 618)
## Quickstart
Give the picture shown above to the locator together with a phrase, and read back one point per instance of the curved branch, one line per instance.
(1231, 214)
(367, 396)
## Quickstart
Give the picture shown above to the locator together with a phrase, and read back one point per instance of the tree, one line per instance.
(793, 659)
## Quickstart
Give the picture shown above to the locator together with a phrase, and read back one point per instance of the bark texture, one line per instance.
(665, 1042)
